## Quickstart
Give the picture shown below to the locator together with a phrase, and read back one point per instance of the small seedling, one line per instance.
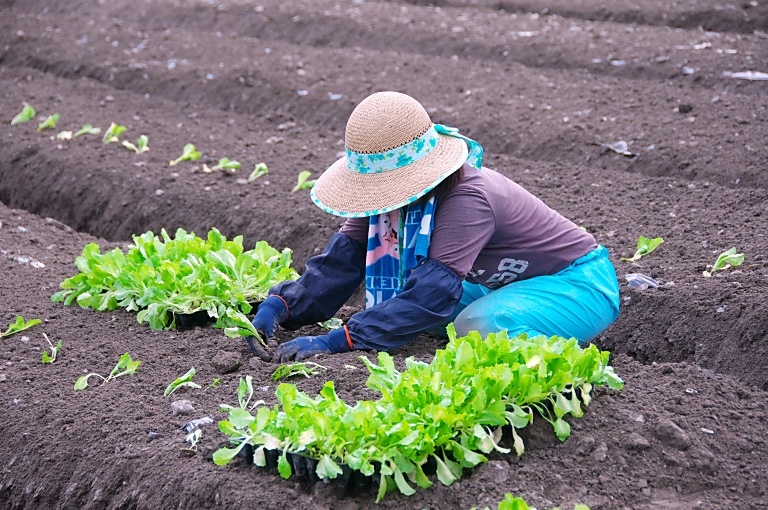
(184, 380)
(27, 113)
(64, 135)
(224, 164)
(725, 260)
(307, 369)
(113, 133)
(258, 170)
(244, 394)
(49, 122)
(193, 438)
(20, 325)
(87, 129)
(142, 145)
(214, 384)
(644, 247)
(189, 153)
(303, 183)
(54, 351)
(125, 366)
(332, 323)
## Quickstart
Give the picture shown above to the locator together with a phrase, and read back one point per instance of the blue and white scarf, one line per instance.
(398, 243)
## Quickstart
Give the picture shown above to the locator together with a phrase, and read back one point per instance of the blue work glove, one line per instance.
(304, 347)
(271, 313)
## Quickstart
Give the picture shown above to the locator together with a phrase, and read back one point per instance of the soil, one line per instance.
(542, 85)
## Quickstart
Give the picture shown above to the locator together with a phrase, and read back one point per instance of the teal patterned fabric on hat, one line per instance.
(411, 152)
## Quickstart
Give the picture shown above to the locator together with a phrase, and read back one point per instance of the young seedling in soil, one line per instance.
(303, 183)
(184, 380)
(214, 384)
(644, 247)
(307, 369)
(725, 260)
(244, 394)
(224, 164)
(193, 438)
(64, 135)
(258, 170)
(125, 366)
(189, 153)
(142, 145)
(49, 122)
(332, 323)
(87, 129)
(54, 351)
(20, 325)
(27, 113)
(510, 502)
(113, 133)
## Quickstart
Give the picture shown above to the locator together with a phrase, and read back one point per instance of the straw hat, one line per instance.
(395, 155)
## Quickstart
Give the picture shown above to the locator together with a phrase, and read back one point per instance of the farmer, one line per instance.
(437, 239)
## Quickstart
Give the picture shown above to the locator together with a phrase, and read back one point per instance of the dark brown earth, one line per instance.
(540, 84)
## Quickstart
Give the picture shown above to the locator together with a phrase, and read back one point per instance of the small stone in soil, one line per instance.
(225, 362)
(182, 407)
(672, 435)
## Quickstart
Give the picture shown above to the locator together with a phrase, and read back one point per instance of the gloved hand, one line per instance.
(271, 312)
(303, 347)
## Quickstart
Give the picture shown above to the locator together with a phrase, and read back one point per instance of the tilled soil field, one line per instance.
(542, 85)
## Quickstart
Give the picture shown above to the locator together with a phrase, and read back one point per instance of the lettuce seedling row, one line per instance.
(451, 410)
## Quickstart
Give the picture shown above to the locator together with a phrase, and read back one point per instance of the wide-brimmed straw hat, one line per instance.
(395, 155)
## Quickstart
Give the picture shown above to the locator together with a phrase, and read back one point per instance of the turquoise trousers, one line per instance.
(580, 301)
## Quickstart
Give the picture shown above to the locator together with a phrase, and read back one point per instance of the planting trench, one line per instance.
(118, 446)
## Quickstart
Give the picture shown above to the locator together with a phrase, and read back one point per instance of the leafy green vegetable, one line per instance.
(258, 170)
(725, 260)
(54, 351)
(214, 384)
(224, 164)
(112, 134)
(332, 323)
(184, 380)
(307, 369)
(142, 145)
(125, 366)
(20, 325)
(161, 277)
(644, 247)
(189, 153)
(303, 182)
(27, 113)
(450, 410)
(49, 122)
(87, 129)
(510, 502)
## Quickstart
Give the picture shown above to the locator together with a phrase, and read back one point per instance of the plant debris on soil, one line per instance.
(545, 87)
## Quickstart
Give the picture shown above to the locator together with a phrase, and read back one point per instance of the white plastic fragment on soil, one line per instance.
(747, 75)
(25, 260)
(619, 147)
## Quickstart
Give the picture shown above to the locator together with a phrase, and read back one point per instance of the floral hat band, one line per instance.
(411, 152)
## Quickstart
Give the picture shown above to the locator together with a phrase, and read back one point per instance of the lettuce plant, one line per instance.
(511, 502)
(112, 133)
(49, 122)
(161, 277)
(26, 114)
(87, 129)
(286, 370)
(303, 183)
(259, 170)
(725, 260)
(141, 146)
(125, 366)
(189, 153)
(224, 164)
(20, 325)
(182, 381)
(451, 410)
(54, 350)
(644, 247)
